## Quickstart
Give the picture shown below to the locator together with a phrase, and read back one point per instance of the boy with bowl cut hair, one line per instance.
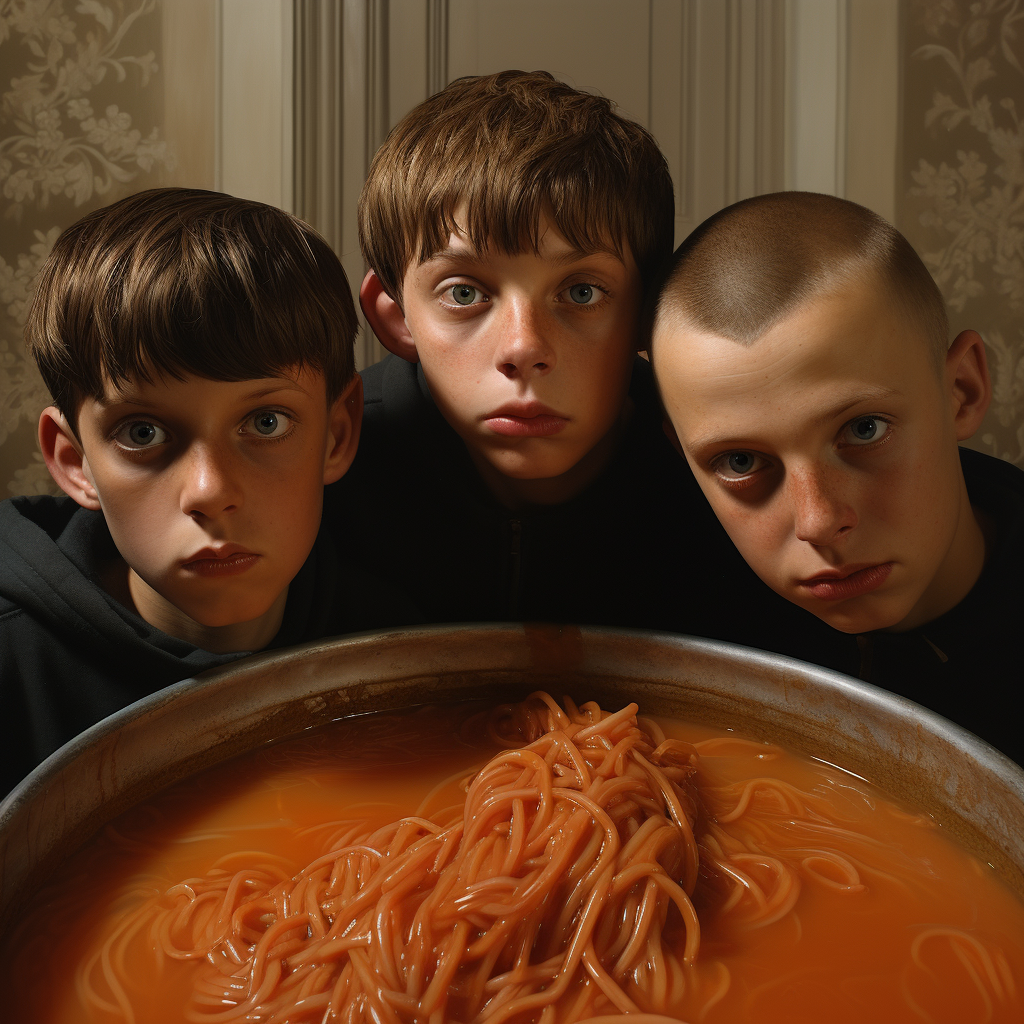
(513, 454)
(488, 156)
(198, 349)
(800, 347)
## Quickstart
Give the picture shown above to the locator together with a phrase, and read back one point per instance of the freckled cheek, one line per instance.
(457, 368)
(758, 533)
(905, 496)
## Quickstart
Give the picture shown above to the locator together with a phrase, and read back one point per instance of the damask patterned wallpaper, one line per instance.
(87, 115)
(80, 111)
(961, 189)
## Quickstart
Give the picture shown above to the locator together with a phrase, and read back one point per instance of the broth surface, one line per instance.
(886, 920)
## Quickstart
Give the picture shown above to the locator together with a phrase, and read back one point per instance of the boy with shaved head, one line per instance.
(801, 349)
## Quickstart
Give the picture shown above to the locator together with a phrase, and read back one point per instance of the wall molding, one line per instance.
(816, 95)
(319, 117)
(437, 45)
(340, 87)
(254, 101)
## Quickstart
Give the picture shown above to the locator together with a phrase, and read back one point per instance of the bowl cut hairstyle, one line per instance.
(750, 265)
(497, 152)
(173, 282)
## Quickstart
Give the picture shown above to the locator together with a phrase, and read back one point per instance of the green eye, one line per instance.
(141, 434)
(465, 294)
(583, 294)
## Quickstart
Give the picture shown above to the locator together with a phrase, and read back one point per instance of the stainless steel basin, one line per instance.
(915, 755)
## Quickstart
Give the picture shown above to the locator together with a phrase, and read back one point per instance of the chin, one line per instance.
(862, 621)
(528, 469)
(233, 615)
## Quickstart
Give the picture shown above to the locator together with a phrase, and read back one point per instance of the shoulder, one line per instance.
(987, 474)
(41, 511)
(392, 387)
(30, 530)
(997, 487)
(401, 424)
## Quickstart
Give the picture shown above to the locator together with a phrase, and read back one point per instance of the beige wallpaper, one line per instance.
(961, 194)
(82, 123)
(101, 98)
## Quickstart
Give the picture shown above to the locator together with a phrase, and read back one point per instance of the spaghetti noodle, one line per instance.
(559, 889)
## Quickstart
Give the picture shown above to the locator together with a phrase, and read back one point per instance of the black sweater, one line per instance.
(640, 547)
(70, 654)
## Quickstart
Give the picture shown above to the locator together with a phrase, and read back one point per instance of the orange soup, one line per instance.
(818, 899)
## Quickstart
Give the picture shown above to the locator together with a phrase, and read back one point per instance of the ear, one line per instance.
(386, 319)
(345, 423)
(968, 382)
(65, 458)
(670, 433)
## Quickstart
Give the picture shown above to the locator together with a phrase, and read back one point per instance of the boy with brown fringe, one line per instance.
(513, 460)
(198, 349)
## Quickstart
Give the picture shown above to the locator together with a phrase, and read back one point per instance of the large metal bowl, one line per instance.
(913, 754)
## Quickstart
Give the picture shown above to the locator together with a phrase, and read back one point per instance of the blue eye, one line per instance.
(865, 429)
(465, 294)
(268, 423)
(584, 294)
(736, 465)
(140, 434)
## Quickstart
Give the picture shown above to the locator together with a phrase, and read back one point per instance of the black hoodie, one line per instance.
(70, 654)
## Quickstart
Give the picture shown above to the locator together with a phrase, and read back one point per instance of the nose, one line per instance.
(524, 351)
(822, 512)
(209, 486)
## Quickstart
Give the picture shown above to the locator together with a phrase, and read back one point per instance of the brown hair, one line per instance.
(182, 281)
(500, 150)
(750, 265)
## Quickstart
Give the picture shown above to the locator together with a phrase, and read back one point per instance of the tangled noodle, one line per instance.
(560, 887)
(559, 891)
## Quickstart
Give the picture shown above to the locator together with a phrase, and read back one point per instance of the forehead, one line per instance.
(846, 345)
(163, 387)
(548, 245)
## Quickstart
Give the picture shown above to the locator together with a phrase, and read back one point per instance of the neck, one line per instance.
(133, 592)
(516, 494)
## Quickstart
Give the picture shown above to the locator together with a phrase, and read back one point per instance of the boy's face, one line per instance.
(828, 450)
(212, 490)
(527, 356)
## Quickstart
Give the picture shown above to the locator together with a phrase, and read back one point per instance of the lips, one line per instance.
(525, 419)
(848, 581)
(229, 560)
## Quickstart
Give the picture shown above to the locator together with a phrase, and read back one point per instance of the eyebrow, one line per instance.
(702, 444)
(867, 395)
(280, 384)
(468, 255)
